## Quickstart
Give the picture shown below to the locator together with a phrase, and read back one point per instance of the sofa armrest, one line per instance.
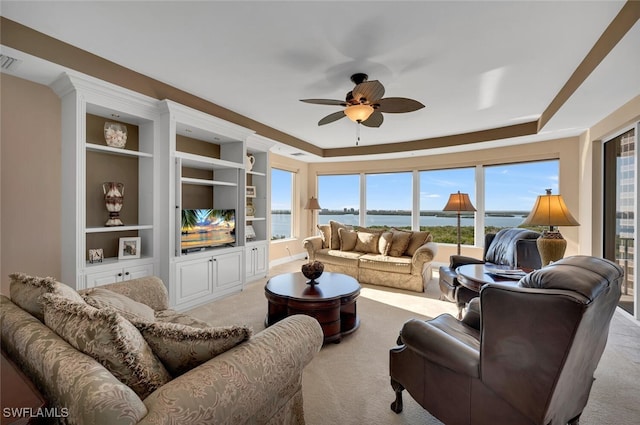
(149, 290)
(312, 244)
(247, 384)
(423, 255)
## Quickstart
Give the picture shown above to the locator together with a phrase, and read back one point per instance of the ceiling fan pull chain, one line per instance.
(357, 133)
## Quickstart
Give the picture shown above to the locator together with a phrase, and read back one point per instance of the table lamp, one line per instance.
(550, 210)
(459, 202)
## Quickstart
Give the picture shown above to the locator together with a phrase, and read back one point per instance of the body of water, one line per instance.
(281, 223)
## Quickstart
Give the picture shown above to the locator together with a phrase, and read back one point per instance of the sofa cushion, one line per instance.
(182, 347)
(325, 233)
(337, 257)
(399, 243)
(367, 242)
(128, 308)
(348, 239)
(385, 263)
(110, 339)
(25, 291)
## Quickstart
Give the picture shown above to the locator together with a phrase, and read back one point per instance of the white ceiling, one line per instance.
(475, 65)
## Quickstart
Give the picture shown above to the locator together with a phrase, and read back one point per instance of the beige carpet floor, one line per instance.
(348, 383)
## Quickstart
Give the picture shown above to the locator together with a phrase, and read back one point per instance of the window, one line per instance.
(339, 197)
(281, 204)
(435, 188)
(511, 191)
(389, 200)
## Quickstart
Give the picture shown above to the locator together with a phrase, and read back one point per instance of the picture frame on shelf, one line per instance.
(251, 191)
(96, 255)
(129, 248)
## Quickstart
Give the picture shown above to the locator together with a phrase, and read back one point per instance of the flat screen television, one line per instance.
(206, 228)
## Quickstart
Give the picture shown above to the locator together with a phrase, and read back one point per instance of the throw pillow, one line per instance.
(384, 244)
(367, 242)
(399, 243)
(325, 233)
(128, 308)
(416, 241)
(110, 339)
(348, 239)
(25, 291)
(335, 236)
(182, 347)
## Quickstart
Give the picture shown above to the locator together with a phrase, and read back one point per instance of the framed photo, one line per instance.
(96, 255)
(251, 191)
(129, 248)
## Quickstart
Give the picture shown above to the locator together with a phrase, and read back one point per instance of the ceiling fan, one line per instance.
(365, 104)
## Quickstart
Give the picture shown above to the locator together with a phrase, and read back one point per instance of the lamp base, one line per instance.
(551, 246)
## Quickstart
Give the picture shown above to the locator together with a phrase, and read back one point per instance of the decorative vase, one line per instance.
(113, 198)
(249, 162)
(115, 134)
(312, 271)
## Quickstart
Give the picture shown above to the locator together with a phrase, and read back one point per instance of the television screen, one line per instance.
(205, 228)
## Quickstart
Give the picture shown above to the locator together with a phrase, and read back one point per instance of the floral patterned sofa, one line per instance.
(223, 375)
(395, 258)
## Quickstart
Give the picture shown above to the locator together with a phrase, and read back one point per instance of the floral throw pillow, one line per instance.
(25, 291)
(110, 339)
(128, 308)
(181, 347)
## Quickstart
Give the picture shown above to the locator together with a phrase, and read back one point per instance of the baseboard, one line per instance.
(288, 259)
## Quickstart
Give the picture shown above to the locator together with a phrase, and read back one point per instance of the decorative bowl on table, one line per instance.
(312, 271)
(115, 134)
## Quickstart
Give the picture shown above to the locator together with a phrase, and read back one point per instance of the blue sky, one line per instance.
(508, 187)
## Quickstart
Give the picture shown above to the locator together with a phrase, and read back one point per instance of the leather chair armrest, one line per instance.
(472, 316)
(527, 254)
(439, 347)
(461, 260)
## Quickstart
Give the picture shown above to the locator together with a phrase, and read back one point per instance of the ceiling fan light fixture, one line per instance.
(358, 113)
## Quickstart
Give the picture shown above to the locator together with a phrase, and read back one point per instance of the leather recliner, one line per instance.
(512, 247)
(525, 353)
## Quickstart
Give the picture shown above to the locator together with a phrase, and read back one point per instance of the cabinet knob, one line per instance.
(119, 274)
(126, 274)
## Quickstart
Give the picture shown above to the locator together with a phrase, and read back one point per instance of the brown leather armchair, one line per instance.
(511, 247)
(526, 356)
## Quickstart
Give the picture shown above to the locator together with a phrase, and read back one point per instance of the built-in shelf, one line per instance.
(205, 182)
(116, 151)
(251, 218)
(256, 173)
(202, 162)
(117, 228)
(112, 261)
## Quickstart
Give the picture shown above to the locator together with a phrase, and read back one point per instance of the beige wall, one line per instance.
(30, 179)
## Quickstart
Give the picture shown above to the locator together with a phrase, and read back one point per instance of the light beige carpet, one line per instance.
(348, 383)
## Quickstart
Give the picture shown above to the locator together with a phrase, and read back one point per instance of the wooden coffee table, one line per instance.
(332, 301)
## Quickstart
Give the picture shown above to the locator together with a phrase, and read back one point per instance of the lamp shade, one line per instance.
(358, 113)
(312, 204)
(459, 202)
(550, 210)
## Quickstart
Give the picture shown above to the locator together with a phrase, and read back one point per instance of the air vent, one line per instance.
(298, 154)
(8, 63)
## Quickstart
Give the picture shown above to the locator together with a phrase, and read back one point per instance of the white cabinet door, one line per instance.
(194, 279)
(117, 274)
(228, 270)
(261, 260)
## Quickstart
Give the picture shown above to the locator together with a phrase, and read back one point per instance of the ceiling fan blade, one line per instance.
(396, 105)
(372, 91)
(331, 118)
(375, 120)
(325, 102)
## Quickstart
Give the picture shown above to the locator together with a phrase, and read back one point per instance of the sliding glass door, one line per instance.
(619, 210)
